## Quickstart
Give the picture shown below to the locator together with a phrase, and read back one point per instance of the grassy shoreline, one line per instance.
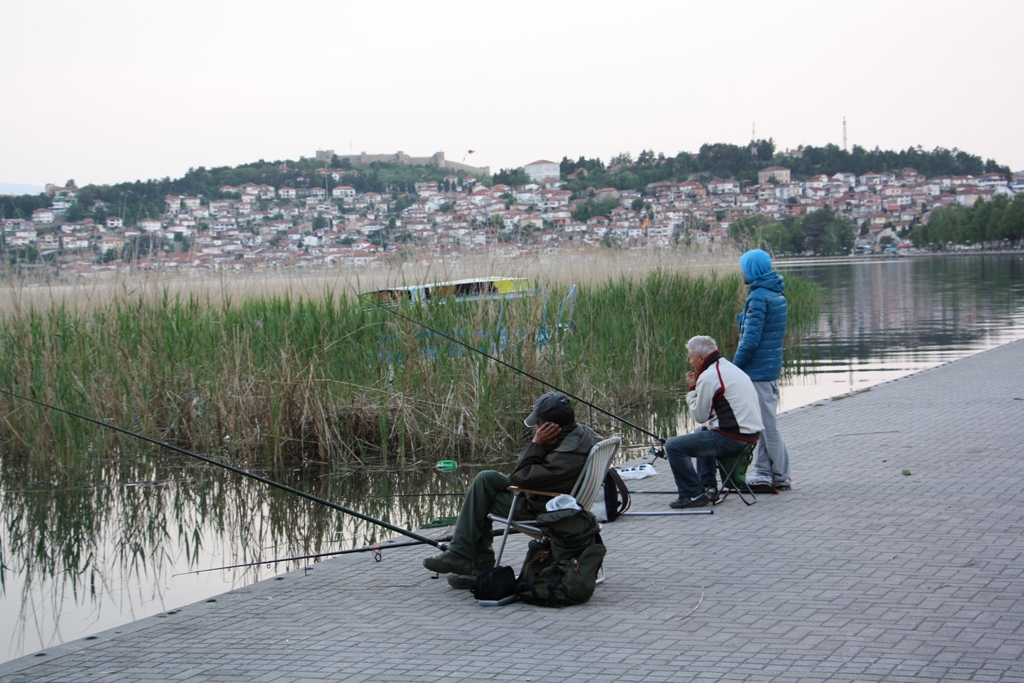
(273, 378)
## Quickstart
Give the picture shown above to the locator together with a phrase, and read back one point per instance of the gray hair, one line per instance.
(702, 346)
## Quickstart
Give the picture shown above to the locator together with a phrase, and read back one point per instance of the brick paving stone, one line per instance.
(858, 574)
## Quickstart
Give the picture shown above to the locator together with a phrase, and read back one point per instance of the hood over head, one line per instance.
(755, 263)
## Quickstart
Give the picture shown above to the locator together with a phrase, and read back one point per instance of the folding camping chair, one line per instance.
(729, 468)
(599, 460)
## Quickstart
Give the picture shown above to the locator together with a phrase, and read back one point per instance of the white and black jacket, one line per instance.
(724, 400)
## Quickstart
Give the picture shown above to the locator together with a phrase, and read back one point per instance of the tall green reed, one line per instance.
(272, 379)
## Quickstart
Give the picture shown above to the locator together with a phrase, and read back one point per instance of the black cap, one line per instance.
(553, 407)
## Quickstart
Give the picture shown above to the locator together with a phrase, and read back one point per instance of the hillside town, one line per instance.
(333, 224)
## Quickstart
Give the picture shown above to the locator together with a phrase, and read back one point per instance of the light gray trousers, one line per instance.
(771, 459)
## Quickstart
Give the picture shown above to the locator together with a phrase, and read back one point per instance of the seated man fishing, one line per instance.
(551, 462)
(723, 399)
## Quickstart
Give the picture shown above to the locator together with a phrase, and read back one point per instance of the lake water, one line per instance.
(888, 317)
(115, 548)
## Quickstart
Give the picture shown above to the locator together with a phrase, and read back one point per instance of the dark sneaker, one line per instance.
(687, 502)
(461, 581)
(449, 562)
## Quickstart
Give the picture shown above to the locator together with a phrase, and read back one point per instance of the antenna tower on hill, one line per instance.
(844, 133)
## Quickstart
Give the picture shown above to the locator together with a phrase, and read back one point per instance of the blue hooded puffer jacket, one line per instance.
(763, 320)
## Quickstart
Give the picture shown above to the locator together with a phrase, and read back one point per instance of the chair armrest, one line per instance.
(549, 494)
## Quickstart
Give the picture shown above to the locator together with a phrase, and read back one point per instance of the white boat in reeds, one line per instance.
(468, 289)
(473, 289)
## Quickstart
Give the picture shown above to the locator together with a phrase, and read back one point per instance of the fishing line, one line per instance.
(375, 549)
(623, 420)
(236, 470)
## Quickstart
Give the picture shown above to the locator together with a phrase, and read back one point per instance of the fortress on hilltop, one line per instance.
(402, 159)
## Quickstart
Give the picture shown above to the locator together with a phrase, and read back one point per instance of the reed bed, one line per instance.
(280, 376)
(587, 267)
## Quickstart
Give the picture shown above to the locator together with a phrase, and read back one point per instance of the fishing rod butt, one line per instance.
(664, 513)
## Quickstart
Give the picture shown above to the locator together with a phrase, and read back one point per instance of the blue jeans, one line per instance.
(705, 446)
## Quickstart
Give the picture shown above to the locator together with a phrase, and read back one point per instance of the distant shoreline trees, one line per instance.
(821, 232)
(997, 220)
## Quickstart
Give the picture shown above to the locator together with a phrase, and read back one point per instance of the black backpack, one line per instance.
(562, 567)
(616, 495)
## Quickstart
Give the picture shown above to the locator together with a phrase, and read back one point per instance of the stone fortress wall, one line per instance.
(403, 159)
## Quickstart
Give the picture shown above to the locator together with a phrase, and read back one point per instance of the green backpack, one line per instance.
(562, 567)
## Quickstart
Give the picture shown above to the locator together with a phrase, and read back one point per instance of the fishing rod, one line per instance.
(375, 549)
(427, 327)
(420, 495)
(236, 470)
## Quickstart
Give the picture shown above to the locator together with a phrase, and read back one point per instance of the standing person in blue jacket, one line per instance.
(759, 354)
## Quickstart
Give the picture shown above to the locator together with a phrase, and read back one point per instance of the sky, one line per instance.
(109, 91)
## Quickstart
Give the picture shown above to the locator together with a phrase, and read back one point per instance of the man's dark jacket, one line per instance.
(552, 467)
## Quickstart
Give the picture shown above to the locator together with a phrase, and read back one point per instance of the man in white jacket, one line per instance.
(723, 399)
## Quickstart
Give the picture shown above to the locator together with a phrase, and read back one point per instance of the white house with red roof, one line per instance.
(992, 180)
(724, 186)
(109, 244)
(967, 195)
(42, 216)
(779, 173)
(541, 169)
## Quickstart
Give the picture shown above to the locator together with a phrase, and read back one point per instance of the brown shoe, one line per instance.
(461, 581)
(449, 562)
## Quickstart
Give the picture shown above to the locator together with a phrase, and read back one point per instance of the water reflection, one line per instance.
(82, 556)
(886, 318)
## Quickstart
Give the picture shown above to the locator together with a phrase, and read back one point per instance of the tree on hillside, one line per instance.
(513, 177)
(589, 209)
(621, 158)
(567, 167)
(646, 157)
(724, 160)
(75, 212)
(22, 206)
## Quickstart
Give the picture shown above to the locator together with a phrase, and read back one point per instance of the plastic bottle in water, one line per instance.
(446, 465)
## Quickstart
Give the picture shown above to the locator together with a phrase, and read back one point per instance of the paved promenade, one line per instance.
(861, 573)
